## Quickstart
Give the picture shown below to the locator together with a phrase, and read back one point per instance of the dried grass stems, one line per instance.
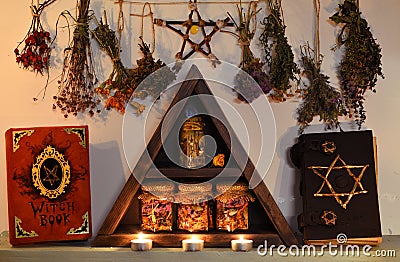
(76, 86)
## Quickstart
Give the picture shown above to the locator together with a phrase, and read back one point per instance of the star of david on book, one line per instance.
(356, 189)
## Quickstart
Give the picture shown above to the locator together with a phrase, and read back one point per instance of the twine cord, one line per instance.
(317, 6)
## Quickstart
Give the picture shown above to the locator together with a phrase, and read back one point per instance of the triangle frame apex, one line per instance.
(194, 84)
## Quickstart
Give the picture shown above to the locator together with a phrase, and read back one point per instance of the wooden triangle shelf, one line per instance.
(122, 224)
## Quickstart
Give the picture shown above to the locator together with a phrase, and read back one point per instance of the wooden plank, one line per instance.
(187, 173)
(123, 237)
(120, 206)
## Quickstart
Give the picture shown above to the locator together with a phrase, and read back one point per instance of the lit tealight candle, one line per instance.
(241, 244)
(141, 243)
(193, 244)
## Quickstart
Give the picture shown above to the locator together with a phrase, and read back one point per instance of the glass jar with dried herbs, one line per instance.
(156, 206)
(232, 206)
(195, 208)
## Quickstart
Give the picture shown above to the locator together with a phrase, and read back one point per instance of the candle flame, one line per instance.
(241, 238)
(194, 237)
(141, 236)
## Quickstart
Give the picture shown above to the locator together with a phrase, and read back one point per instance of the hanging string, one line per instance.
(143, 16)
(185, 3)
(281, 11)
(317, 8)
(253, 10)
(120, 26)
(150, 14)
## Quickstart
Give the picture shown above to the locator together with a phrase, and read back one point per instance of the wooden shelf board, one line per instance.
(176, 172)
(125, 233)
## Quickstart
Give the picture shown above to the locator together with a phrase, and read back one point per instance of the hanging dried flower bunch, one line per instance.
(122, 82)
(119, 77)
(34, 54)
(319, 97)
(251, 65)
(76, 86)
(361, 62)
(279, 55)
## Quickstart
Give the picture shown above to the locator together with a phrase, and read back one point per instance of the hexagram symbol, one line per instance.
(333, 193)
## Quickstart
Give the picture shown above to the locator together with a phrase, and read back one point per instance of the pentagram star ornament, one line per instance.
(201, 24)
(51, 175)
(348, 169)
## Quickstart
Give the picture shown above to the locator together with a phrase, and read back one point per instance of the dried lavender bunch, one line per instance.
(319, 98)
(278, 53)
(248, 89)
(361, 62)
(78, 79)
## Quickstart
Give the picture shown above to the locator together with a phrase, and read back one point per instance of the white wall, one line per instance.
(109, 169)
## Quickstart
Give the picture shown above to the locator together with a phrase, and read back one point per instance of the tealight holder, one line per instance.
(241, 244)
(193, 244)
(141, 243)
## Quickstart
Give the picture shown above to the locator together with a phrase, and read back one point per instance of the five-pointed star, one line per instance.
(195, 47)
(51, 175)
(357, 181)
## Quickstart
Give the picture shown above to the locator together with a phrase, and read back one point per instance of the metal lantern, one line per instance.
(191, 143)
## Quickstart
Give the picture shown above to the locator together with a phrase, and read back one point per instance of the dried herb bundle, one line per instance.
(319, 98)
(35, 53)
(109, 43)
(279, 55)
(119, 77)
(245, 29)
(123, 83)
(161, 75)
(361, 63)
(76, 86)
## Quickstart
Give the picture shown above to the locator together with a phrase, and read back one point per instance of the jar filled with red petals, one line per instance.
(195, 208)
(232, 206)
(156, 206)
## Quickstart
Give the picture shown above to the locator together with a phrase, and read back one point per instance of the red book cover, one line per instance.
(48, 184)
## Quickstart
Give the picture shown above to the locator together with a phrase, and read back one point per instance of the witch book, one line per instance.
(48, 184)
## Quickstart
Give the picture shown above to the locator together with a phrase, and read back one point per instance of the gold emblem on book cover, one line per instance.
(51, 173)
(20, 232)
(17, 135)
(348, 170)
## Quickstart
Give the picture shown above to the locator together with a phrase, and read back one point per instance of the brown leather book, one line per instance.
(48, 184)
(338, 187)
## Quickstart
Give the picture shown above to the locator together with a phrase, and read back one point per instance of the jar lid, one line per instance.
(158, 187)
(224, 187)
(238, 190)
(195, 188)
